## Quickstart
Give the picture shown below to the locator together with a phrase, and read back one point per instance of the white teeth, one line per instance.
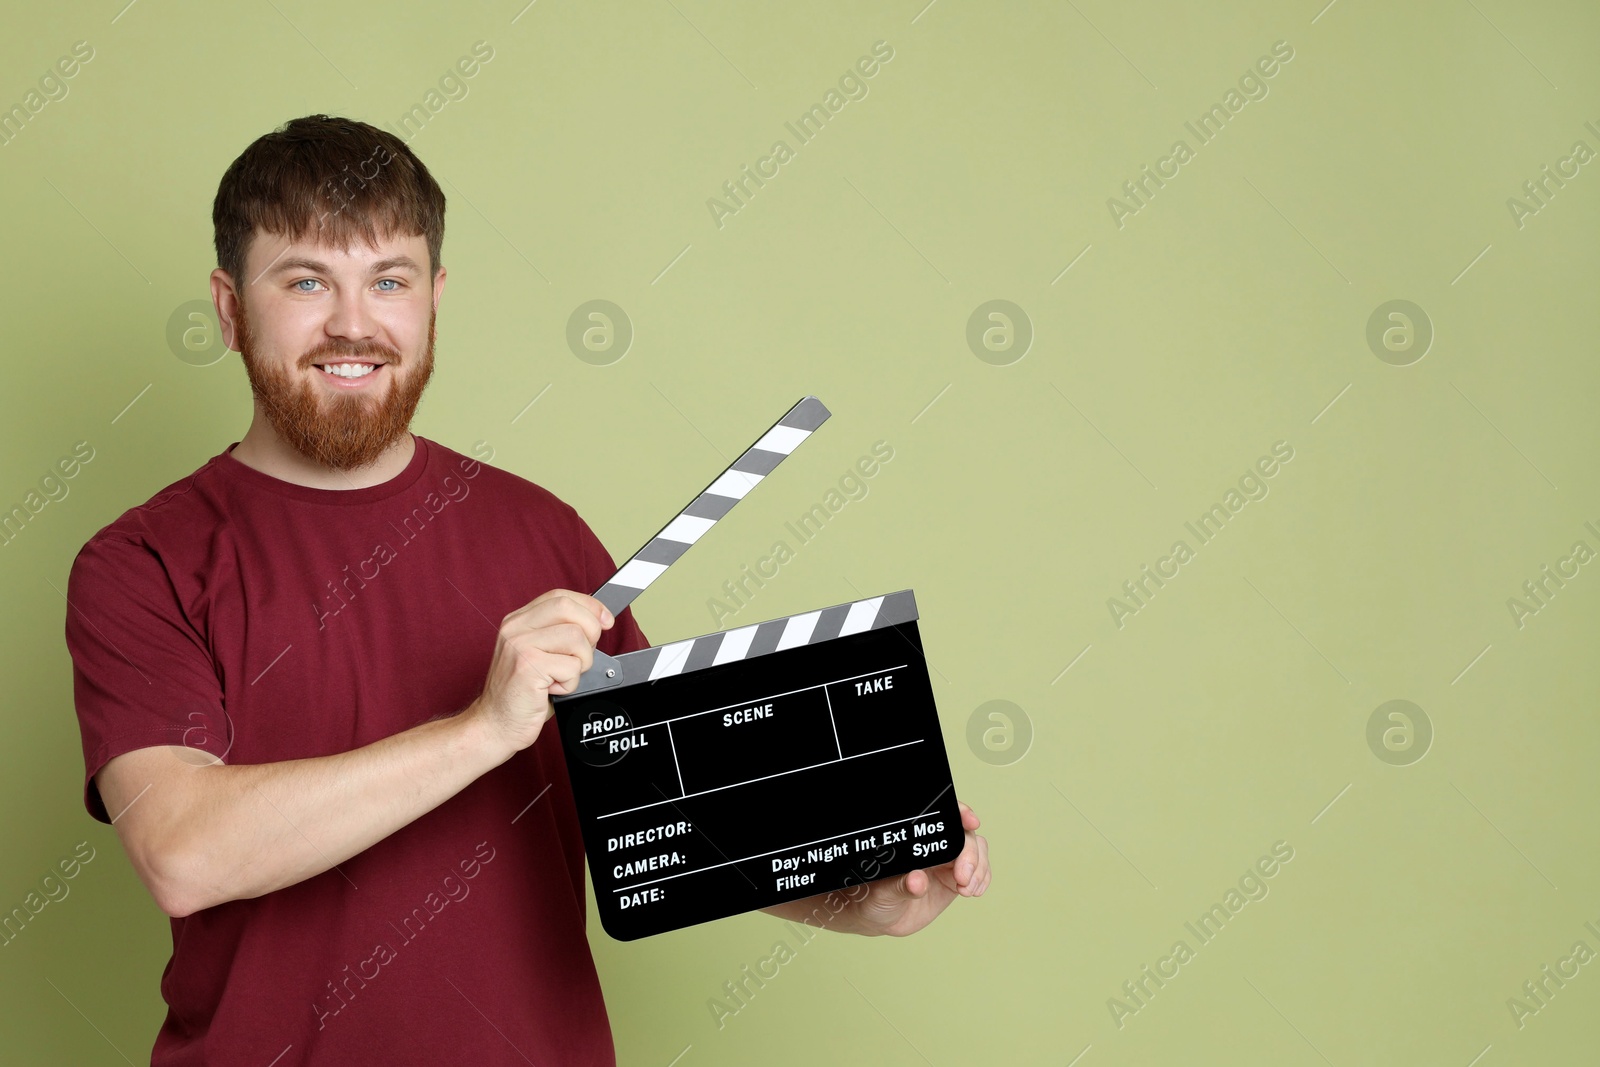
(349, 370)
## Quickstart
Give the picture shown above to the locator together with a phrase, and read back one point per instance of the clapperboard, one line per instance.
(741, 769)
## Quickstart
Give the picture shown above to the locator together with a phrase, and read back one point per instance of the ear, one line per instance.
(226, 299)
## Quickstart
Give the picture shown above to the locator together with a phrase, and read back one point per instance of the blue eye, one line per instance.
(389, 281)
(303, 281)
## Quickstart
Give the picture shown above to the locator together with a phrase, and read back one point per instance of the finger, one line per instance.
(969, 818)
(524, 668)
(554, 671)
(527, 674)
(595, 608)
(566, 640)
(559, 606)
(589, 605)
(965, 866)
(913, 885)
(982, 875)
(586, 613)
(562, 670)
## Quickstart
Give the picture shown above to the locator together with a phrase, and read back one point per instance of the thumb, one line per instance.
(913, 885)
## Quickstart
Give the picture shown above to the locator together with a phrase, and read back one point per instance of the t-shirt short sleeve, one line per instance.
(141, 673)
(599, 568)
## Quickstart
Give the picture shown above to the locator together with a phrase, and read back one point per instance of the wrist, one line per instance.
(483, 737)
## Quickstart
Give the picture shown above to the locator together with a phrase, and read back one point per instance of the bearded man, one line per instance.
(312, 685)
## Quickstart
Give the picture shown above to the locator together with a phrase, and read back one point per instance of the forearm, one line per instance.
(240, 831)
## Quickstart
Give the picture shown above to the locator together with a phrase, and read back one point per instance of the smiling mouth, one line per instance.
(347, 370)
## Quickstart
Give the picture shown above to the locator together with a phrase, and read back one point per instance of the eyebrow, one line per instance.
(303, 263)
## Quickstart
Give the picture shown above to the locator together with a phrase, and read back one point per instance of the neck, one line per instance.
(263, 450)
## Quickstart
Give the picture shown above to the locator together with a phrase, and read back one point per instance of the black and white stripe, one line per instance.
(760, 639)
(715, 501)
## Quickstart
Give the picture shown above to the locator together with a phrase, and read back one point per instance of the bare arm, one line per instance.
(199, 835)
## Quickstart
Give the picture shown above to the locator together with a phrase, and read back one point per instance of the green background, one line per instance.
(1228, 314)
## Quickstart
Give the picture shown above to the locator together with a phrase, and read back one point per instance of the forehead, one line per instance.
(271, 251)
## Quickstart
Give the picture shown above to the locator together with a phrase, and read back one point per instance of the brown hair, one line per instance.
(333, 177)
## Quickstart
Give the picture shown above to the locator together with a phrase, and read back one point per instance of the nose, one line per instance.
(350, 319)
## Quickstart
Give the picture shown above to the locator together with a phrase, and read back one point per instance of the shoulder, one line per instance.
(181, 507)
(452, 469)
(523, 515)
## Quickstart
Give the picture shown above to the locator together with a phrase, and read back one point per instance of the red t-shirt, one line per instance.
(264, 621)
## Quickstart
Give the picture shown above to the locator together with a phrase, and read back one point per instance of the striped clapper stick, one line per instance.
(714, 501)
(766, 763)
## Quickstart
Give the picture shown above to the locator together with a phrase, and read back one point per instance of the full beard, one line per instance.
(338, 432)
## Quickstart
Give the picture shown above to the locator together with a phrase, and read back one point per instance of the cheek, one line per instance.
(404, 324)
(279, 337)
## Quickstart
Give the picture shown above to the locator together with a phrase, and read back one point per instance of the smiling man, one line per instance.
(312, 676)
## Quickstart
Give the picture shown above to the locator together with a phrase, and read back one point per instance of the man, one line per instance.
(312, 687)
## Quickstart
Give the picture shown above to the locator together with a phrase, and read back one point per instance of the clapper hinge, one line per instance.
(604, 671)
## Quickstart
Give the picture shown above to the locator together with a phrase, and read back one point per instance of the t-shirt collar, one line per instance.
(241, 474)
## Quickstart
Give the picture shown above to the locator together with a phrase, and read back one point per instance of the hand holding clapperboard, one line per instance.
(742, 769)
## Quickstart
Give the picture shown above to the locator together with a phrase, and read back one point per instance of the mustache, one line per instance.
(354, 350)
